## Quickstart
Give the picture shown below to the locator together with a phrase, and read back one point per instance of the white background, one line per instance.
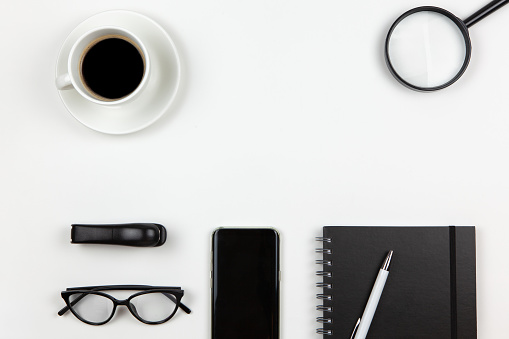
(287, 117)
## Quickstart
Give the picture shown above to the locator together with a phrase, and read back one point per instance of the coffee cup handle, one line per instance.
(63, 82)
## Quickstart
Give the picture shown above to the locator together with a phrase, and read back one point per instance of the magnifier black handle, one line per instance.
(136, 234)
(484, 12)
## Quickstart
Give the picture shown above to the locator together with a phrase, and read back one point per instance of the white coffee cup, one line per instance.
(73, 80)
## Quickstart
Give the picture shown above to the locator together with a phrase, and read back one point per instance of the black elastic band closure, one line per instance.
(454, 296)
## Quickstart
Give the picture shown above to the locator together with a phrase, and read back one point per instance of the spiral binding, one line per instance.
(324, 250)
(324, 286)
(324, 296)
(324, 274)
(324, 308)
(323, 331)
(324, 320)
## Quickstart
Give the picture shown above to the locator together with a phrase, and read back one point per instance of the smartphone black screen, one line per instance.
(245, 285)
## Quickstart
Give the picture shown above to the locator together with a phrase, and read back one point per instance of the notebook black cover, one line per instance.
(431, 289)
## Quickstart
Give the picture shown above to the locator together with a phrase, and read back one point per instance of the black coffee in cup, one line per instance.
(112, 67)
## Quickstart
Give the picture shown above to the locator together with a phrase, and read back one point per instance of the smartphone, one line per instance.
(245, 283)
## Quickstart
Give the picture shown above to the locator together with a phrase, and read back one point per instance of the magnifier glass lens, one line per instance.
(427, 49)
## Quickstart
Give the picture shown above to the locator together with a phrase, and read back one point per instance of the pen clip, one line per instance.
(355, 329)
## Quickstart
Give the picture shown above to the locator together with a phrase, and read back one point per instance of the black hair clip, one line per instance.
(136, 234)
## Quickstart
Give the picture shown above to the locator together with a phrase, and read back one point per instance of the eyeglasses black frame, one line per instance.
(173, 293)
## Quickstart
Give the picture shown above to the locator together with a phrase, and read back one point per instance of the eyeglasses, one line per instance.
(152, 305)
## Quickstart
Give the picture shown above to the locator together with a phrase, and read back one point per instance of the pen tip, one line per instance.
(387, 261)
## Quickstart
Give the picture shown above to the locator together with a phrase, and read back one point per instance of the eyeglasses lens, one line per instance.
(154, 307)
(93, 308)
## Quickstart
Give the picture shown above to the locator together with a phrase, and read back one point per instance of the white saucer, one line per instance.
(161, 88)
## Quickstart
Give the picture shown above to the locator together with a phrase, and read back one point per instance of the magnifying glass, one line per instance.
(428, 48)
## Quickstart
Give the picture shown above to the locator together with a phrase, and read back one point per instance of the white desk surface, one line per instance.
(287, 117)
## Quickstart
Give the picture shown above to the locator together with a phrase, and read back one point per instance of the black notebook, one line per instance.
(430, 292)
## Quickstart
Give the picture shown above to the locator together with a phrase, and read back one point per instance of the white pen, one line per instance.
(362, 327)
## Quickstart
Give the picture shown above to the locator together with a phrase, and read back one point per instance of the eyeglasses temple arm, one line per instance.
(66, 308)
(120, 287)
(63, 311)
(181, 305)
(185, 308)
